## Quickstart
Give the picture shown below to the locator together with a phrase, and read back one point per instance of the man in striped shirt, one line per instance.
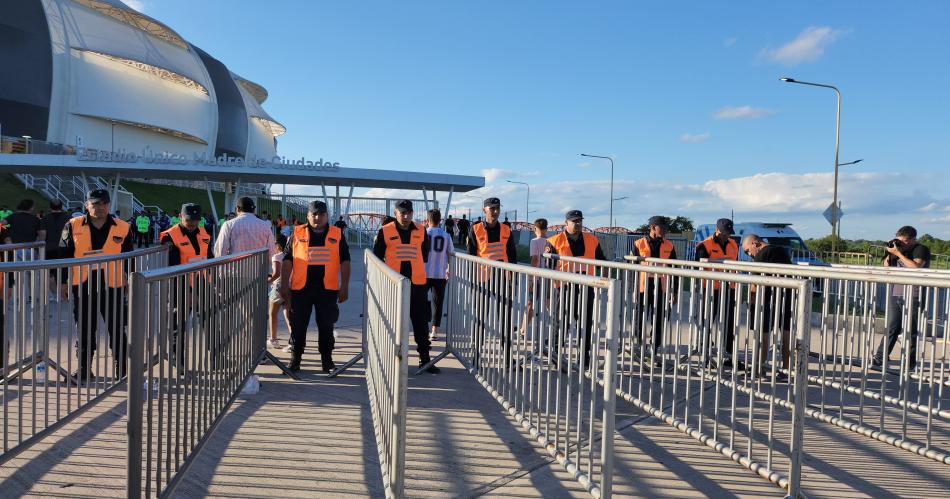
(244, 232)
(437, 266)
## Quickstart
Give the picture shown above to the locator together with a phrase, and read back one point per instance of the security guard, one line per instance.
(315, 276)
(492, 240)
(187, 243)
(141, 230)
(573, 241)
(652, 297)
(720, 246)
(404, 246)
(94, 234)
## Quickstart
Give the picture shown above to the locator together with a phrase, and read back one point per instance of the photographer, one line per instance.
(902, 251)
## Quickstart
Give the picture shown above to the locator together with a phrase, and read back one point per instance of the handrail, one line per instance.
(68, 262)
(600, 282)
(177, 270)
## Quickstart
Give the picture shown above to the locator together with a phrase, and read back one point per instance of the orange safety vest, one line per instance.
(185, 248)
(82, 241)
(305, 255)
(398, 252)
(715, 253)
(492, 251)
(643, 248)
(563, 247)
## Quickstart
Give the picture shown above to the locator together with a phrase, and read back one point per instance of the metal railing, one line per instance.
(694, 353)
(616, 246)
(854, 309)
(386, 353)
(197, 334)
(544, 344)
(50, 317)
(23, 252)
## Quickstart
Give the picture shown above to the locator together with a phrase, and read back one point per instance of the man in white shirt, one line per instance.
(244, 232)
(437, 266)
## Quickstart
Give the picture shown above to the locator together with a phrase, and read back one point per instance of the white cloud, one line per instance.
(138, 5)
(694, 137)
(742, 113)
(808, 46)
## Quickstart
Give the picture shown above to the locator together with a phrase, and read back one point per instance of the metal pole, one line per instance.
(283, 203)
(137, 333)
(527, 199)
(214, 209)
(834, 209)
(608, 158)
(115, 192)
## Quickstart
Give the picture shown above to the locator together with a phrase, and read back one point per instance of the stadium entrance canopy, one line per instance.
(276, 170)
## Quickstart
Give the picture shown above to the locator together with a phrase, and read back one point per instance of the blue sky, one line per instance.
(684, 95)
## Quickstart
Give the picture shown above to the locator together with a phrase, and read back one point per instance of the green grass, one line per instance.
(170, 198)
(12, 192)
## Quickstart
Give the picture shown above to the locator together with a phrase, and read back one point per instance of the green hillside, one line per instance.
(12, 192)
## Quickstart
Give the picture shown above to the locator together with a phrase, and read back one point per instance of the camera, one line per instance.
(894, 243)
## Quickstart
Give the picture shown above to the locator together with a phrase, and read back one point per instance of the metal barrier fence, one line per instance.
(22, 252)
(544, 344)
(616, 246)
(694, 352)
(854, 310)
(57, 316)
(197, 333)
(386, 351)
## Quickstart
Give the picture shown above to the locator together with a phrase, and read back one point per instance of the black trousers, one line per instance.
(437, 288)
(419, 316)
(90, 300)
(323, 302)
(647, 308)
(728, 318)
(491, 301)
(895, 315)
(141, 239)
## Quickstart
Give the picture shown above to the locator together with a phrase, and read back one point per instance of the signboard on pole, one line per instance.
(829, 213)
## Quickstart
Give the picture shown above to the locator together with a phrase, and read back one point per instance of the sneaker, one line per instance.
(294, 364)
(289, 349)
(328, 366)
(273, 343)
(876, 365)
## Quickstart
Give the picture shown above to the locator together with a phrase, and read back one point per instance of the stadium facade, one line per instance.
(98, 74)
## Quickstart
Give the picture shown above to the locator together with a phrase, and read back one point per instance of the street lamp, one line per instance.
(850, 163)
(527, 198)
(608, 158)
(834, 202)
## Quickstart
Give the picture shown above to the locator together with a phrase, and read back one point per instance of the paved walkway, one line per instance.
(314, 438)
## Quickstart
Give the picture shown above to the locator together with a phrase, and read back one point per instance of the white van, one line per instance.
(779, 234)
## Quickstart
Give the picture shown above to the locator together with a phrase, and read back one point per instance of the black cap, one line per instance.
(191, 211)
(659, 221)
(574, 215)
(725, 226)
(491, 202)
(316, 207)
(404, 205)
(99, 195)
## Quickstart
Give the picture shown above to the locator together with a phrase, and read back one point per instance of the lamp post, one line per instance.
(27, 137)
(527, 198)
(618, 199)
(834, 202)
(839, 203)
(608, 158)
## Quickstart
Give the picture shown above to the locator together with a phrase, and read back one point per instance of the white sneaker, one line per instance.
(289, 349)
(273, 343)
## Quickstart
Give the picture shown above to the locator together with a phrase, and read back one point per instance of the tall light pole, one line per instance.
(839, 204)
(614, 224)
(527, 198)
(610, 220)
(834, 202)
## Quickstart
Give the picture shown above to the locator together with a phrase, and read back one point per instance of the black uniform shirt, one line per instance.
(773, 254)
(494, 236)
(174, 254)
(315, 273)
(379, 248)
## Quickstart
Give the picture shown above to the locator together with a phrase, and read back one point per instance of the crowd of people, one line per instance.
(310, 270)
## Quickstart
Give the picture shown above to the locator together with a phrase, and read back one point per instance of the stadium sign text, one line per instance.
(165, 158)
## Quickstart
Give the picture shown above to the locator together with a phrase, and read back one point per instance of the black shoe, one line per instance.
(328, 366)
(876, 365)
(294, 364)
(83, 375)
(433, 369)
